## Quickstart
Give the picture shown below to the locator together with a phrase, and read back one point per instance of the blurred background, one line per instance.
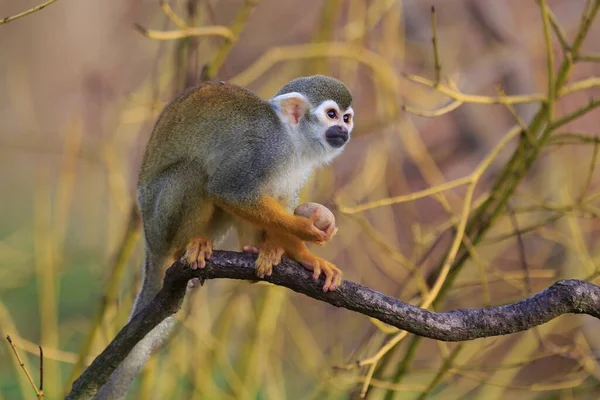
(81, 87)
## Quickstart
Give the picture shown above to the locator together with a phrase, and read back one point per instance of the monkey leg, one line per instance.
(195, 239)
(253, 239)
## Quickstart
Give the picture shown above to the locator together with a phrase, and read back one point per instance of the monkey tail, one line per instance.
(119, 381)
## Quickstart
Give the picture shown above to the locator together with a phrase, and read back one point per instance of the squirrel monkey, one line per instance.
(220, 157)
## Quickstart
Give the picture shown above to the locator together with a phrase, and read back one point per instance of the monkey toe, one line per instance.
(264, 269)
(197, 252)
(268, 257)
(333, 275)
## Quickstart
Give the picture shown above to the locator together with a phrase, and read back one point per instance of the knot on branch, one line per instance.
(583, 296)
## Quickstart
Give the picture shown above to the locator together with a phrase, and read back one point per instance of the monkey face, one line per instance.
(317, 113)
(336, 123)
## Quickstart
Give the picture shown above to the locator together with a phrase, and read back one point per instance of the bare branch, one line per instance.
(38, 392)
(39, 7)
(567, 296)
(215, 30)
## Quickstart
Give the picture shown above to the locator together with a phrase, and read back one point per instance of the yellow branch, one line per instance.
(38, 393)
(470, 98)
(166, 7)
(549, 58)
(473, 179)
(407, 197)
(25, 13)
(215, 30)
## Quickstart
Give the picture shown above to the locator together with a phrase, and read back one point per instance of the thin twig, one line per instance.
(440, 111)
(590, 174)
(558, 31)
(588, 57)
(176, 19)
(446, 367)
(40, 395)
(215, 30)
(521, 248)
(236, 28)
(41, 369)
(405, 198)
(517, 117)
(27, 12)
(436, 55)
(575, 114)
(549, 59)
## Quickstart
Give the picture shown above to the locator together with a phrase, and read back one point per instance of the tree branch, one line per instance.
(39, 7)
(567, 296)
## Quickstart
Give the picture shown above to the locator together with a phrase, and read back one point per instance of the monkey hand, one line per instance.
(304, 229)
(322, 218)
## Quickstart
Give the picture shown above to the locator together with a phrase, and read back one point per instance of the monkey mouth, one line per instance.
(336, 136)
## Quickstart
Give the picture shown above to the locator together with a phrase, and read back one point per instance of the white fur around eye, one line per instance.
(350, 123)
(321, 112)
(350, 111)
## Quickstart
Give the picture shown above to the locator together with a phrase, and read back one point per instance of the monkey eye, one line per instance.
(346, 118)
(331, 113)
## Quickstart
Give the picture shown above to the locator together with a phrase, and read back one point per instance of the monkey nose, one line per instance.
(336, 136)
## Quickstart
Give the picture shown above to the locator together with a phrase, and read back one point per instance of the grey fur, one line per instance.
(217, 141)
(319, 88)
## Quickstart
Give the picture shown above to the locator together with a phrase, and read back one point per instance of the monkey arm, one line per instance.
(267, 213)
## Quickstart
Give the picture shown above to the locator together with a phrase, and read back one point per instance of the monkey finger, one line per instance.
(322, 237)
(315, 215)
(331, 231)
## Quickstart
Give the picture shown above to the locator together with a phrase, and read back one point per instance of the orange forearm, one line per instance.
(267, 213)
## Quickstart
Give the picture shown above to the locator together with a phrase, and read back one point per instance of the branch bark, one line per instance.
(563, 297)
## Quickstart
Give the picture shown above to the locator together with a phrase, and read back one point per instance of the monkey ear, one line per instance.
(290, 106)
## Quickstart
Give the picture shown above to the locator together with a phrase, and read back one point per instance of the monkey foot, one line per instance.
(333, 275)
(269, 255)
(197, 252)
